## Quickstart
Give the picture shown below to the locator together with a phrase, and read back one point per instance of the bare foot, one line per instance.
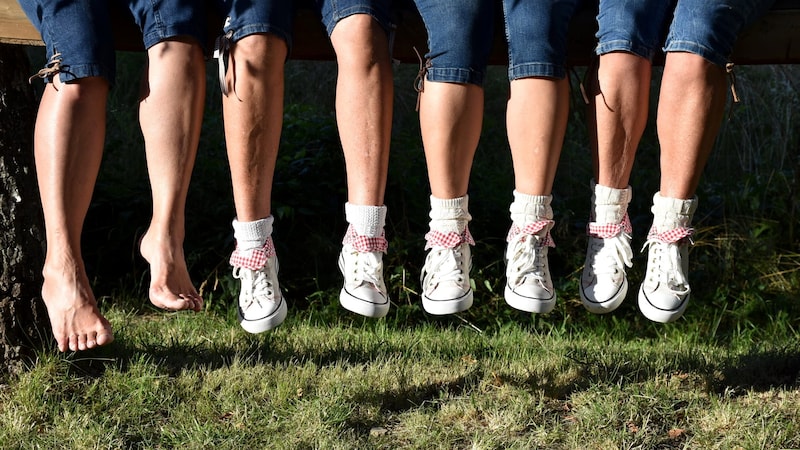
(77, 323)
(171, 287)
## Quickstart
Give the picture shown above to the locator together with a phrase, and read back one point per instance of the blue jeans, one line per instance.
(79, 31)
(335, 10)
(459, 39)
(708, 28)
(536, 31)
(246, 17)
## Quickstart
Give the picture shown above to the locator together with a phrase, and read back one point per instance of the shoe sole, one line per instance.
(528, 304)
(444, 307)
(608, 305)
(265, 323)
(363, 307)
(657, 314)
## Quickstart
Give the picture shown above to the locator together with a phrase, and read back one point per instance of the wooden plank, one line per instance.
(774, 39)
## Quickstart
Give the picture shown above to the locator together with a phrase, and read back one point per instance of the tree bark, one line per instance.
(23, 318)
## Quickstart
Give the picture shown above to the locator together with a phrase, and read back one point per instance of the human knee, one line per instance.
(360, 40)
(255, 53)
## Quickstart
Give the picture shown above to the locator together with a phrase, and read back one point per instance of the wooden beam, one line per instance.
(774, 39)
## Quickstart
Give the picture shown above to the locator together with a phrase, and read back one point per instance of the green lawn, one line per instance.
(327, 379)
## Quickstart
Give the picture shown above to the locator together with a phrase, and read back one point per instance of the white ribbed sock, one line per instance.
(367, 220)
(450, 215)
(671, 213)
(527, 209)
(252, 235)
(609, 205)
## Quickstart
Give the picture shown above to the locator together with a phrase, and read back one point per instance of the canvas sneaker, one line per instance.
(529, 286)
(445, 276)
(364, 290)
(261, 304)
(604, 284)
(664, 293)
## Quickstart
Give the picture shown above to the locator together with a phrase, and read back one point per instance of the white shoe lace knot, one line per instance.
(443, 265)
(526, 256)
(365, 267)
(256, 286)
(666, 265)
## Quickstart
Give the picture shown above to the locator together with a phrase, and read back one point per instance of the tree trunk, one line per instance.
(23, 318)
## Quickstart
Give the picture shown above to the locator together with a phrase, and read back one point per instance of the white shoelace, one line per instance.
(367, 268)
(254, 281)
(441, 265)
(665, 265)
(611, 254)
(526, 260)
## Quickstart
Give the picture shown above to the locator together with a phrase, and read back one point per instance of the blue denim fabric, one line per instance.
(78, 30)
(459, 39)
(709, 28)
(634, 26)
(333, 11)
(536, 31)
(164, 19)
(246, 17)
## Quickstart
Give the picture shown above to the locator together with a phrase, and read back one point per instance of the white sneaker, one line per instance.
(664, 293)
(603, 282)
(445, 280)
(529, 286)
(364, 290)
(261, 304)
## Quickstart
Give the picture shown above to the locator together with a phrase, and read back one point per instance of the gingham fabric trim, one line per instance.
(670, 236)
(447, 240)
(609, 230)
(365, 244)
(253, 259)
(532, 229)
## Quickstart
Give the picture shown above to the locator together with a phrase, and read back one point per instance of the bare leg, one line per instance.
(690, 111)
(253, 112)
(170, 114)
(364, 93)
(69, 138)
(537, 121)
(451, 116)
(617, 118)
(619, 106)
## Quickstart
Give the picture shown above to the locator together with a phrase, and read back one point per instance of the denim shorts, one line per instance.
(708, 28)
(333, 11)
(246, 17)
(77, 33)
(691, 33)
(536, 31)
(459, 39)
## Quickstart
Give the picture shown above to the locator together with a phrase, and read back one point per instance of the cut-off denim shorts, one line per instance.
(78, 37)
(246, 17)
(459, 39)
(536, 31)
(708, 28)
(333, 11)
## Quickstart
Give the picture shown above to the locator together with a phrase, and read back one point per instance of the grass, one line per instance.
(411, 381)
(727, 375)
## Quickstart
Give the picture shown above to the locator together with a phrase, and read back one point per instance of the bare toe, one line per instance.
(71, 306)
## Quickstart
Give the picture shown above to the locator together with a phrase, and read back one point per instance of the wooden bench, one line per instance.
(774, 39)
